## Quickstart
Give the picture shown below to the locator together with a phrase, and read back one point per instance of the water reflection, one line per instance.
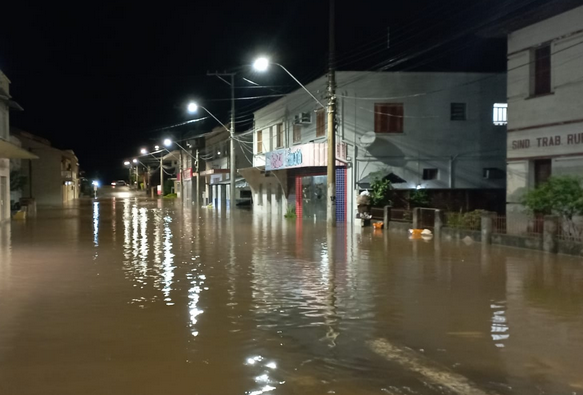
(96, 224)
(278, 306)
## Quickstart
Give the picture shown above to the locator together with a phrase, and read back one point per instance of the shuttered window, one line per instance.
(297, 133)
(542, 70)
(279, 135)
(321, 123)
(260, 141)
(458, 112)
(388, 117)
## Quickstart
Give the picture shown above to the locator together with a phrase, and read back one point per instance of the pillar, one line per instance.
(416, 217)
(438, 223)
(386, 216)
(487, 226)
(550, 233)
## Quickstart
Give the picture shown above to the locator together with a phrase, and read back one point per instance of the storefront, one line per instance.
(307, 181)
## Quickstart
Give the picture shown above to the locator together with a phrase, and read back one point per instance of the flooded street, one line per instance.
(145, 297)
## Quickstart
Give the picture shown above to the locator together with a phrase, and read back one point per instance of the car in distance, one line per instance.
(119, 183)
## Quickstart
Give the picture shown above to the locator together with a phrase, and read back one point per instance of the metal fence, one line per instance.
(518, 224)
(467, 221)
(570, 230)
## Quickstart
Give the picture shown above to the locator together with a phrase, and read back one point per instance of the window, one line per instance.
(500, 114)
(297, 133)
(259, 141)
(458, 112)
(245, 194)
(388, 117)
(493, 173)
(279, 135)
(542, 70)
(542, 171)
(321, 123)
(430, 174)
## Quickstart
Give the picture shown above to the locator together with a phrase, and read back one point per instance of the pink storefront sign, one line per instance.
(305, 155)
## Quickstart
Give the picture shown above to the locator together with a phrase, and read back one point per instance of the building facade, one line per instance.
(431, 131)
(545, 89)
(53, 179)
(208, 181)
(8, 150)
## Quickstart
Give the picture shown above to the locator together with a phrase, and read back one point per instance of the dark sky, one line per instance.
(101, 79)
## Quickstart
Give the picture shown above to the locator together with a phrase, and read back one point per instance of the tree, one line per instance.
(17, 181)
(419, 198)
(561, 195)
(381, 190)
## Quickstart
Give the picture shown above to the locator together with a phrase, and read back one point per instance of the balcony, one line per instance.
(67, 175)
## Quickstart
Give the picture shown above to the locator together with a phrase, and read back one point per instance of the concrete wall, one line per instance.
(460, 150)
(4, 163)
(547, 126)
(46, 183)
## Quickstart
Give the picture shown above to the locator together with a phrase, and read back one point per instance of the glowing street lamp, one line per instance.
(144, 151)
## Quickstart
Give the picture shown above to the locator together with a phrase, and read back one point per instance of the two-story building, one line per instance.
(8, 150)
(53, 179)
(442, 132)
(545, 91)
(208, 181)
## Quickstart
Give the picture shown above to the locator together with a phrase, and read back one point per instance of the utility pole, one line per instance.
(162, 175)
(331, 205)
(197, 181)
(233, 165)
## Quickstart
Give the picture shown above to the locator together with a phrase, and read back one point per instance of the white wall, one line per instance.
(4, 163)
(548, 126)
(430, 138)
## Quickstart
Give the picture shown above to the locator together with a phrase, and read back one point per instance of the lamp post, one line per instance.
(262, 64)
(129, 165)
(192, 108)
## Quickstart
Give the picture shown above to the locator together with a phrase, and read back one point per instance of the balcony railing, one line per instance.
(67, 174)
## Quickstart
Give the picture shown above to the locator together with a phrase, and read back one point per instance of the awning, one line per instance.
(214, 171)
(240, 183)
(11, 151)
(392, 177)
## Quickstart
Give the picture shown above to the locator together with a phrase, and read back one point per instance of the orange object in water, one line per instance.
(415, 232)
(378, 225)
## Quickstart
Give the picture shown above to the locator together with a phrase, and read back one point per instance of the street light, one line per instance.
(192, 108)
(144, 151)
(167, 142)
(261, 64)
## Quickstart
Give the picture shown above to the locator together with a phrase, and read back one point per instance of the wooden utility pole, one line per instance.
(331, 205)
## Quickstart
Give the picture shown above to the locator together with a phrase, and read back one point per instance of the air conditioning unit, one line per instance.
(303, 118)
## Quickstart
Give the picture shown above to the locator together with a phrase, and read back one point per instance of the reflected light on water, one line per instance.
(167, 264)
(96, 224)
(266, 382)
(499, 325)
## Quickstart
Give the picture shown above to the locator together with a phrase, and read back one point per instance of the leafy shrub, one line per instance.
(381, 191)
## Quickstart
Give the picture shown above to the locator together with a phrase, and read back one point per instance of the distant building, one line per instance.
(441, 132)
(545, 95)
(53, 179)
(8, 150)
(212, 181)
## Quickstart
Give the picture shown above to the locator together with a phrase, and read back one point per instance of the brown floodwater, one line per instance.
(146, 297)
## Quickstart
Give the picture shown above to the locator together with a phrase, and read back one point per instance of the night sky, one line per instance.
(102, 79)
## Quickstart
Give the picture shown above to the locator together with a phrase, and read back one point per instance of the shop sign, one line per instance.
(283, 158)
(544, 142)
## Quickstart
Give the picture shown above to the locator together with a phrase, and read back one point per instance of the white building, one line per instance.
(7, 150)
(427, 130)
(53, 179)
(545, 95)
